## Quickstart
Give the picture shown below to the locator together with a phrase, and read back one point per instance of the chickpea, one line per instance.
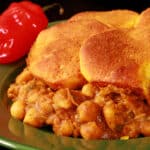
(131, 129)
(33, 118)
(13, 91)
(44, 107)
(65, 128)
(63, 99)
(91, 130)
(50, 119)
(100, 100)
(89, 90)
(88, 111)
(32, 97)
(116, 115)
(17, 109)
(145, 127)
(109, 114)
(24, 76)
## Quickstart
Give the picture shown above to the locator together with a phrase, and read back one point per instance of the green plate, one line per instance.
(16, 135)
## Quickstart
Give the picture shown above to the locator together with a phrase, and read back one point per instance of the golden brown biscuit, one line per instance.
(54, 56)
(115, 18)
(113, 57)
(144, 19)
(142, 35)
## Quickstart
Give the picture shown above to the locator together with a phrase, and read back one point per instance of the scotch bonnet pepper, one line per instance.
(19, 26)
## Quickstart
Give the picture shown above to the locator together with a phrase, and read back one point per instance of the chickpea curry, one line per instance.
(91, 112)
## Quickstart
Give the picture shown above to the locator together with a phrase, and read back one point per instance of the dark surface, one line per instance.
(3, 148)
(73, 6)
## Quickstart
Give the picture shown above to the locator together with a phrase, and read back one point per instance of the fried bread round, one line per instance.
(144, 19)
(114, 57)
(115, 18)
(142, 36)
(54, 57)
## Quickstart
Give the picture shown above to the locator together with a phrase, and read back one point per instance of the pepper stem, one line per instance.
(61, 9)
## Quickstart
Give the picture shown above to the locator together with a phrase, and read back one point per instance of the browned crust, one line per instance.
(112, 57)
(54, 56)
(144, 19)
(116, 18)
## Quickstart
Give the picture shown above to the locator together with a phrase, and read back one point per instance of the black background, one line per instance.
(73, 6)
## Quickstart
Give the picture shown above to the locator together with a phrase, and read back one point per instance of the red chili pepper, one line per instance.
(19, 26)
